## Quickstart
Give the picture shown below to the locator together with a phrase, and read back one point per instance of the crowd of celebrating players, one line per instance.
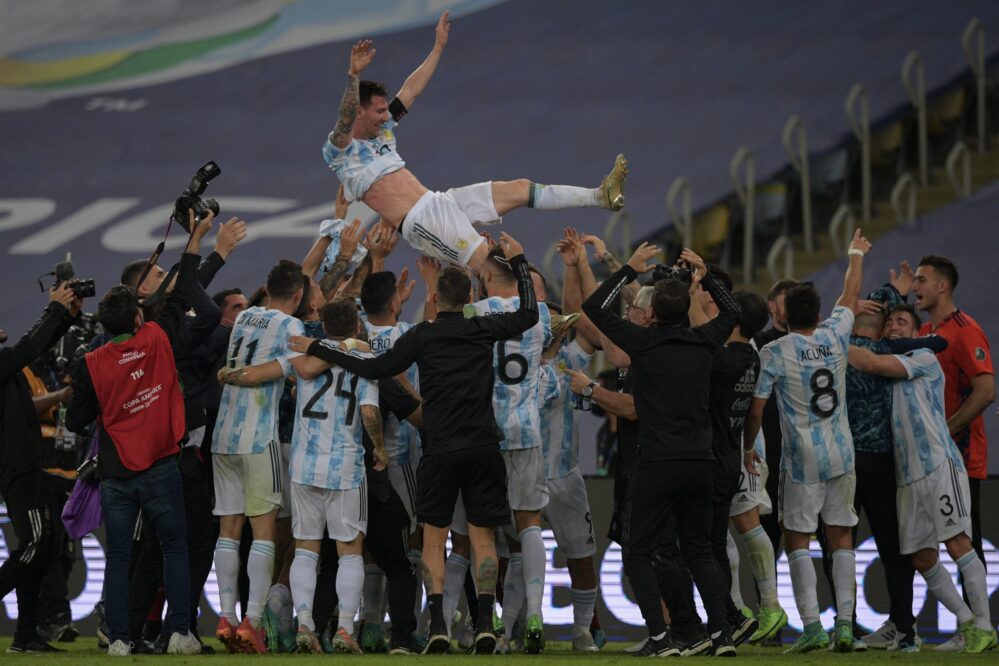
(334, 461)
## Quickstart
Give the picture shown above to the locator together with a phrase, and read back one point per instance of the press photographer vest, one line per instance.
(142, 408)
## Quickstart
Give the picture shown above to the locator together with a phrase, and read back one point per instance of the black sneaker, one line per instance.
(142, 646)
(437, 643)
(663, 647)
(722, 645)
(35, 644)
(691, 646)
(742, 628)
(485, 643)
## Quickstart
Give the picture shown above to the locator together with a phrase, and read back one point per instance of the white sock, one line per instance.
(513, 591)
(260, 571)
(303, 585)
(227, 575)
(455, 568)
(761, 561)
(803, 584)
(583, 602)
(973, 570)
(532, 547)
(733, 565)
(349, 581)
(844, 572)
(279, 601)
(373, 594)
(554, 197)
(939, 582)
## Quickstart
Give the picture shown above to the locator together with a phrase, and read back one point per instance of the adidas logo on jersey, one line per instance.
(744, 498)
(950, 523)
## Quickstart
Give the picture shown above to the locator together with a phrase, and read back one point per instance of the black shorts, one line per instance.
(478, 473)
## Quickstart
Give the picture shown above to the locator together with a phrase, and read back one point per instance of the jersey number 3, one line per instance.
(823, 387)
(350, 394)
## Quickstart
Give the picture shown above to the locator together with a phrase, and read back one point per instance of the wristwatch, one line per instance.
(588, 389)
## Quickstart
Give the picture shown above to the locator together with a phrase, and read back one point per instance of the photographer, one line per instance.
(131, 384)
(671, 363)
(21, 482)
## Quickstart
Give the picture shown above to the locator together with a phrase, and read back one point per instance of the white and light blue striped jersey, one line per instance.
(402, 440)
(559, 429)
(808, 372)
(919, 425)
(248, 415)
(327, 448)
(517, 364)
(363, 162)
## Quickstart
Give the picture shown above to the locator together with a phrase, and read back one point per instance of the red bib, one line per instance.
(142, 407)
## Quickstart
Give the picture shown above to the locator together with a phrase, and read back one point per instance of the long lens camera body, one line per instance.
(190, 199)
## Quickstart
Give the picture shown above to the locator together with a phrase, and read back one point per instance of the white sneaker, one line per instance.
(582, 641)
(183, 644)
(885, 638)
(637, 647)
(119, 649)
(955, 644)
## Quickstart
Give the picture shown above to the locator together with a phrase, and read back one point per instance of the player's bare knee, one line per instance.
(958, 546)
(923, 560)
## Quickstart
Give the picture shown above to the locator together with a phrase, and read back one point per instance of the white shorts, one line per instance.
(344, 513)
(752, 492)
(801, 504)
(440, 224)
(526, 481)
(403, 480)
(285, 510)
(248, 484)
(933, 509)
(568, 512)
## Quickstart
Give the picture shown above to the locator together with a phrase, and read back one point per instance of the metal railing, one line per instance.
(745, 189)
(841, 228)
(797, 155)
(781, 247)
(861, 127)
(681, 219)
(906, 188)
(959, 155)
(973, 43)
(916, 89)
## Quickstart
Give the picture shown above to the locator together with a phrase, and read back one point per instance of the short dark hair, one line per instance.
(537, 271)
(944, 266)
(340, 317)
(220, 296)
(132, 271)
(368, 89)
(453, 287)
(754, 314)
(780, 287)
(911, 310)
(803, 304)
(118, 308)
(377, 292)
(257, 297)
(284, 280)
(722, 275)
(500, 266)
(670, 301)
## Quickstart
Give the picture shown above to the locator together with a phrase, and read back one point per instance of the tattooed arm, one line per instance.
(360, 57)
(371, 416)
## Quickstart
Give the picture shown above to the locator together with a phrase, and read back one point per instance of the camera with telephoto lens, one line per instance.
(679, 273)
(66, 272)
(190, 199)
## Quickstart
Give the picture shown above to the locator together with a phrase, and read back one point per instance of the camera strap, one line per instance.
(157, 295)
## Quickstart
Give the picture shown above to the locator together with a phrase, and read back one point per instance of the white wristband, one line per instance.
(855, 252)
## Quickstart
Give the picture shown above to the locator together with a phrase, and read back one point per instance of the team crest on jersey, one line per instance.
(462, 243)
(979, 354)
(388, 134)
(562, 366)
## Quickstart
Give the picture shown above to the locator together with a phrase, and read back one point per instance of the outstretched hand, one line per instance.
(860, 242)
(429, 268)
(350, 237)
(639, 260)
(230, 235)
(341, 206)
(360, 56)
(697, 266)
(404, 286)
(599, 247)
(443, 28)
(571, 247)
(902, 281)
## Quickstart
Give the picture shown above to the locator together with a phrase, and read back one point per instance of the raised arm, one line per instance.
(54, 322)
(360, 57)
(509, 324)
(418, 80)
(626, 335)
(859, 246)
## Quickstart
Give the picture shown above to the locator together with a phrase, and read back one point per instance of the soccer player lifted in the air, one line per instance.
(361, 150)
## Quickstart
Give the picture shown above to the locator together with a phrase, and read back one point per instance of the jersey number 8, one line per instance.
(823, 387)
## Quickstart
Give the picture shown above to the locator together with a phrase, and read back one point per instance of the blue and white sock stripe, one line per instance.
(265, 548)
(225, 543)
